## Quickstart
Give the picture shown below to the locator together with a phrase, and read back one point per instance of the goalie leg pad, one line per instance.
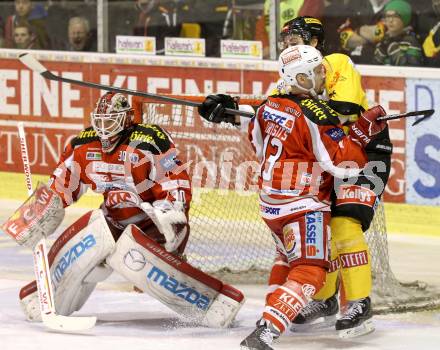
(172, 281)
(76, 265)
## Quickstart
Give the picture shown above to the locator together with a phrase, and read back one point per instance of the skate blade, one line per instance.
(318, 324)
(364, 328)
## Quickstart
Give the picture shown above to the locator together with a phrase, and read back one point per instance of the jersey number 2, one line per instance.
(270, 160)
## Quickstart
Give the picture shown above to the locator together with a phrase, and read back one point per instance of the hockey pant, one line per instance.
(349, 255)
(300, 267)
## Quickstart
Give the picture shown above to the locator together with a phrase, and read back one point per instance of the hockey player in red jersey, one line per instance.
(300, 144)
(351, 216)
(118, 158)
(141, 228)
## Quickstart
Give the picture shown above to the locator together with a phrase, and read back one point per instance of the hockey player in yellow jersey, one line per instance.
(350, 216)
(352, 204)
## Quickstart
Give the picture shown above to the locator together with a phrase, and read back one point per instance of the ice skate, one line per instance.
(316, 315)
(356, 320)
(261, 338)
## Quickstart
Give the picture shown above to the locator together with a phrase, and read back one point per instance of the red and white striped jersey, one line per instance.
(300, 145)
(144, 167)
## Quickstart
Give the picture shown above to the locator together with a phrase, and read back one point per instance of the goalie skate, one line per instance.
(316, 315)
(356, 320)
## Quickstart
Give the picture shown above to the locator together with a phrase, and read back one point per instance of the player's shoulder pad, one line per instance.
(318, 111)
(149, 137)
(85, 136)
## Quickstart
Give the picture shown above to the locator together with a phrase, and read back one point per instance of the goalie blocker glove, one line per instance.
(213, 108)
(365, 129)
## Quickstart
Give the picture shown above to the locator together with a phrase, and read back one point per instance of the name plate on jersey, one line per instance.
(141, 45)
(185, 47)
(241, 49)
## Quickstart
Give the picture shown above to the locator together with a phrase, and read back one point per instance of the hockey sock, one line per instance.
(286, 302)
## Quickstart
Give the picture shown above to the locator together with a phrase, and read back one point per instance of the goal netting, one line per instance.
(228, 237)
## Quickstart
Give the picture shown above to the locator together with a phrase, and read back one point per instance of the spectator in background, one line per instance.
(241, 19)
(361, 31)
(80, 36)
(216, 18)
(399, 46)
(161, 19)
(428, 28)
(24, 38)
(289, 9)
(35, 15)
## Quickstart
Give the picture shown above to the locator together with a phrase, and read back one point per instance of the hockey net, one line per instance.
(228, 237)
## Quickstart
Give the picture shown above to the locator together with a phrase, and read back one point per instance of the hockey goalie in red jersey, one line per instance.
(141, 228)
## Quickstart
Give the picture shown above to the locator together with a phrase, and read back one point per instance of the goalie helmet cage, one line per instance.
(228, 238)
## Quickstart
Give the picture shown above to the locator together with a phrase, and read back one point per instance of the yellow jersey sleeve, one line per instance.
(343, 86)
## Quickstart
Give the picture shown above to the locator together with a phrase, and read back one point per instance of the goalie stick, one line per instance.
(41, 268)
(32, 63)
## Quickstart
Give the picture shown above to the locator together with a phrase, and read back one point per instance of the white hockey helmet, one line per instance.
(299, 59)
(111, 116)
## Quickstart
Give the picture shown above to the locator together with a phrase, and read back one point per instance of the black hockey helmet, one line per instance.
(305, 26)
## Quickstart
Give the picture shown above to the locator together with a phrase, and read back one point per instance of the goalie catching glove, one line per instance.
(367, 127)
(170, 220)
(213, 108)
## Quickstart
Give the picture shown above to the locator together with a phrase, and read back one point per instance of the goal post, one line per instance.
(228, 237)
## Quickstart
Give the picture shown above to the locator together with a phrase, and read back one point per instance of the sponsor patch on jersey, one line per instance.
(354, 259)
(87, 133)
(121, 199)
(292, 241)
(103, 167)
(336, 134)
(285, 120)
(168, 161)
(269, 210)
(355, 194)
(93, 156)
(175, 184)
(314, 235)
(318, 108)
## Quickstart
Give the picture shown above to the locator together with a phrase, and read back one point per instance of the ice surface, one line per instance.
(131, 321)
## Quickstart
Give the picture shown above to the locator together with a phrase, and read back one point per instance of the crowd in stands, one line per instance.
(384, 32)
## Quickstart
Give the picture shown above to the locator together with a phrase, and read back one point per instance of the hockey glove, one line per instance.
(213, 108)
(170, 220)
(367, 126)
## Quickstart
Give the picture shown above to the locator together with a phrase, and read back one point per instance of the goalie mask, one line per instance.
(111, 116)
(305, 60)
(306, 27)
